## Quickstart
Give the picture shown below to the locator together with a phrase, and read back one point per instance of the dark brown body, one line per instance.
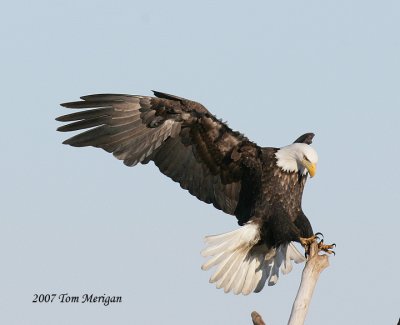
(279, 206)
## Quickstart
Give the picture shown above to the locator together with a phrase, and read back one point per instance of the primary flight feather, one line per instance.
(261, 186)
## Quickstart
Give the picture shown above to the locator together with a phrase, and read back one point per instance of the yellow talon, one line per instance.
(326, 248)
(306, 243)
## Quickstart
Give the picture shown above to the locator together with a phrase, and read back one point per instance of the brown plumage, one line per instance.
(207, 158)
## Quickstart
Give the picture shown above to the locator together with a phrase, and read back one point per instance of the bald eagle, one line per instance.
(261, 186)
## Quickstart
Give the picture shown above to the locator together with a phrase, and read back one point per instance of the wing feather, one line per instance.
(185, 141)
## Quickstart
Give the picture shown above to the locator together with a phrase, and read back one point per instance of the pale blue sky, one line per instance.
(78, 221)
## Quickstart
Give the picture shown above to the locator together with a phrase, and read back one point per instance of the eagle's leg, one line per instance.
(306, 242)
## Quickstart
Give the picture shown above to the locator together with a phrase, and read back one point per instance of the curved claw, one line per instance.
(326, 248)
(306, 243)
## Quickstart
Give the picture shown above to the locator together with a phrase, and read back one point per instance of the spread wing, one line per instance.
(185, 141)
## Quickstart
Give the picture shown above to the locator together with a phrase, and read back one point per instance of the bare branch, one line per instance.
(256, 318)
(315, 265)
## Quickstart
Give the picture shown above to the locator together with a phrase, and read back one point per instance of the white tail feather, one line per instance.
(242, 265)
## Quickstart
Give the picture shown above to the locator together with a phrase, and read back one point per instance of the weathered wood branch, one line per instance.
(313, 268)
(315, 265)
(256, 318)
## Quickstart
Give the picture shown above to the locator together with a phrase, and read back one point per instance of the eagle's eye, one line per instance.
(305, 158)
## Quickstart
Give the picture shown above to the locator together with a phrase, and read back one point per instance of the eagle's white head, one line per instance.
(297, 157)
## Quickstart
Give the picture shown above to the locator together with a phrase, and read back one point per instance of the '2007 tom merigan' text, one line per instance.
(86, 298)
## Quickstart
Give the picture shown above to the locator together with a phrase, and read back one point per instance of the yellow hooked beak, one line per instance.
(312, 168)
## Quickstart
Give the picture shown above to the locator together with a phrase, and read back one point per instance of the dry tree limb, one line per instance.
(256, 318)
(315, 265)
(313, 268)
